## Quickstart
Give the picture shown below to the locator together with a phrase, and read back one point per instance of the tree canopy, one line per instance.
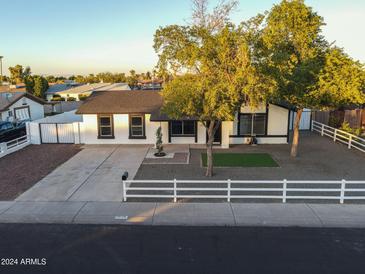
(309, 72)
(18, 74)
(213, 66)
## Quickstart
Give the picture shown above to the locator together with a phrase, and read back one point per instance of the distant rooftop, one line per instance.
(115, 87)
(84, 88)
(53, 88)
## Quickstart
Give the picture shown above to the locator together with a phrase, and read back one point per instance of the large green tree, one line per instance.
(299, 58)
(40, 86)
(214, 69)
(132, 79)
(18, 74)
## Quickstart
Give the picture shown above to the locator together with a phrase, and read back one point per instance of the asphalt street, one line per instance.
(38, 248)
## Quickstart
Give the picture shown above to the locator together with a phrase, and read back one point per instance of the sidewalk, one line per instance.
(189, 214)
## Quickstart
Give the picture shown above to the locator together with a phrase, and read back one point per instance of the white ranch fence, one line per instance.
(229, 190)
(14, 145)
(337, 135)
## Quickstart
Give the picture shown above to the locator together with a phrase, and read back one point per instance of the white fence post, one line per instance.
(284, 190)
(124, 191)
(175, 192)
(322, 130)
(228, 190)
(350, 142)
(343, 189)
(335, 135)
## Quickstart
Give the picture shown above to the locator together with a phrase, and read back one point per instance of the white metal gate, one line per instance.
(57, 133)
(305, 121)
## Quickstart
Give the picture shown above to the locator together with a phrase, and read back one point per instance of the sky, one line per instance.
(65, 37)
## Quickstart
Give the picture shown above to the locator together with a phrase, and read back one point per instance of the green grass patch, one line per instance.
(240, 160)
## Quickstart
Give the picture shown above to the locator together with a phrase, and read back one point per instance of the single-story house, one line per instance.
(88, 89)
(132, 117)
(54, 88)
(20, 106)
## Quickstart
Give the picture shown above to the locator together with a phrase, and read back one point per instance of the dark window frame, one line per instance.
(143, 116)
(110, 116)
(252, 115)
(182, 129)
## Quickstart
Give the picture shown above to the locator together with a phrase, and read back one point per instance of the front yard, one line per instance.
(22, 169)
(319, 159)
(240, 160)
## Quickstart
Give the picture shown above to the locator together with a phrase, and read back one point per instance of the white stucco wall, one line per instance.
(74, 95)
(89, 130)
(277, 125)
(227, 130)
(278, 120)
(260, 140)
(36, 109)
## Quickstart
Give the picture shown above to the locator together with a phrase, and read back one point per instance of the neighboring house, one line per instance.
(88, 89)
(13, 88)
(132, 117)
(54, 88)
(61, 106)
(20, 106)
(150, 84)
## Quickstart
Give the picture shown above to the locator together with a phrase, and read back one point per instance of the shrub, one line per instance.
(83, 97)
(334, 121)
(159, 146)
(57, 98)
(346, 127)
(70, 99)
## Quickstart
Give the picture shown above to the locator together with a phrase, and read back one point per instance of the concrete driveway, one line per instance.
(94, 174)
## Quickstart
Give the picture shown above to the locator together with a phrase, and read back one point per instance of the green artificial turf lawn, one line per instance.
(240, 160)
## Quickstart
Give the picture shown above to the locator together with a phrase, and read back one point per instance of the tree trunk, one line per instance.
(294, 146)
(209, 171)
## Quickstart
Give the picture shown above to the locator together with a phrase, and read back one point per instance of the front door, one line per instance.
(217, 135)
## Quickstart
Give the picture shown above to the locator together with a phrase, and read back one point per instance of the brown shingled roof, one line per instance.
(9, 98)
(121, 102)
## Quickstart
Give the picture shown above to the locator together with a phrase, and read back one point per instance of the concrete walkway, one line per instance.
(94, 174)
(195, 214)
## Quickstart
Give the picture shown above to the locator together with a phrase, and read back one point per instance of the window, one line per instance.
(182, 128)
(106, 130)
(136, 126)
(253, 124)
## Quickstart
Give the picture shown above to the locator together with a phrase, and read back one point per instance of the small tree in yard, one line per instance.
(214, 68)
(159, 145)
(309, 73)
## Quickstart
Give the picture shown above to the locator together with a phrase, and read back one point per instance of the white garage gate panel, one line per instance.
(56, 133)
(305, 121)
(65, 133)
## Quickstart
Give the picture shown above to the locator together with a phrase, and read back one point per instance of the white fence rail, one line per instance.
(14, 145)
(229, 190)
(352, 141)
